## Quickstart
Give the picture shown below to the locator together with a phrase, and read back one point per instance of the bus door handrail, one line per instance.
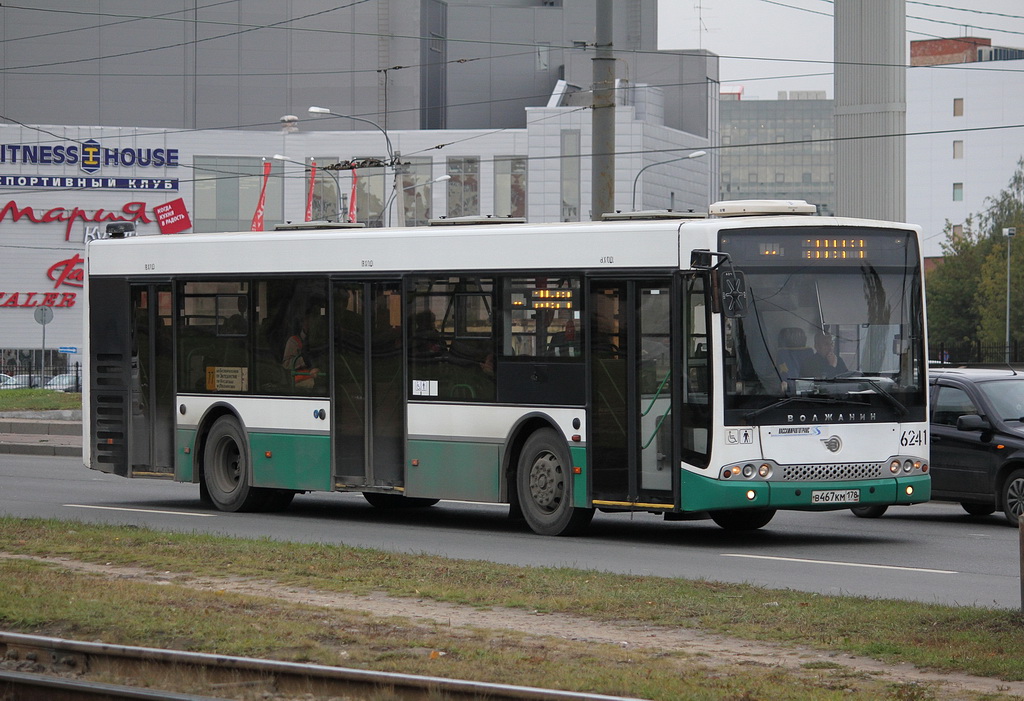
(668, 410)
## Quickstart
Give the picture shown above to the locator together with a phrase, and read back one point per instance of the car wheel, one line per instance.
(975, 509)
(1013, 497)
(873, 511)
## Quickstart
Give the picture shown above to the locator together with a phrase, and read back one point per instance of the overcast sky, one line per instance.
(761, 40)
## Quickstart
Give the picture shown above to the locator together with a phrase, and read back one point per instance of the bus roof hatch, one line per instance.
(753, 208)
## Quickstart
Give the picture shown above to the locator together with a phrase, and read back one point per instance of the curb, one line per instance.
(45, 433)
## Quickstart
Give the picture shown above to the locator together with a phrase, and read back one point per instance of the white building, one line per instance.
(61, 185)
(965, 122)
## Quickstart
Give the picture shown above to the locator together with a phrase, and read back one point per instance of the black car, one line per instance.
(977, 441)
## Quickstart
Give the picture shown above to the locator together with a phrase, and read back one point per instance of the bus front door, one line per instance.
(631, 423)
(369, 419)
(151, 423)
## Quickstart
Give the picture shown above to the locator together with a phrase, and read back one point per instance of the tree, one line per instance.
(953, 317)
(967, 290)
(1003, 211)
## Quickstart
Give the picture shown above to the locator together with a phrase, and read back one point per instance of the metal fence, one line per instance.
(66, 377)
(975, 353)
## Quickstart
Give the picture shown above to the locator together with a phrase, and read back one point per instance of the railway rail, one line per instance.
(54, 669)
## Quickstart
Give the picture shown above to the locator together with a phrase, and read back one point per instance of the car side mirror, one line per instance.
(971, 422)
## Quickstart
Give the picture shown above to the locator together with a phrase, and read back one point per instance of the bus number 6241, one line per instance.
(910, 438)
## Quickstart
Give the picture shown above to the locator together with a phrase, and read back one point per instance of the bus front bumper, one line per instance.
(713, 495)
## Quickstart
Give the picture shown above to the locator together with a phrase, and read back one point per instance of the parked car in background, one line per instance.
(977, 441)
(4, 378)
(24, 381)
(65, 382)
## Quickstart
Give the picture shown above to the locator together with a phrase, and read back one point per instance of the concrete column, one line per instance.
(870, 107)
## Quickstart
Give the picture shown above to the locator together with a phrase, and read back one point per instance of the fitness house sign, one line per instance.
(91, 158)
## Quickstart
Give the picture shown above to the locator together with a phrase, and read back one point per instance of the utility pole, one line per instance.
(602, 145)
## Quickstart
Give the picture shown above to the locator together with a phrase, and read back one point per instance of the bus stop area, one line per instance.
(41, 433)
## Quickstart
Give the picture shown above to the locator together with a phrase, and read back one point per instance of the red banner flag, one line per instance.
(352, 199)
(309, 197)
(257, 218)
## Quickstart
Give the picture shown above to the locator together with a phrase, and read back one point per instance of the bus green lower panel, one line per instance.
(184, 452)
(580, 497)
(288, 461)
(453, 470)
(706, 494)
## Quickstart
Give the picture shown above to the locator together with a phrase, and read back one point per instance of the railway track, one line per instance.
(36, 668)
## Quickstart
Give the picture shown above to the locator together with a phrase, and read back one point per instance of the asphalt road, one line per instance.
(929, 552)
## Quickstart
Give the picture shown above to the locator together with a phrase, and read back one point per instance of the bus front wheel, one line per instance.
(870, 511)
(226, 468)
(544, 483)
(743, 519)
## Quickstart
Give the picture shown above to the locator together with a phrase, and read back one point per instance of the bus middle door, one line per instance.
(631, 393)
(369, 419)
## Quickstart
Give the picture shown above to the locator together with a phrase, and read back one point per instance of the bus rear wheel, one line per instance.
(544, 483)
(226, 468)
(743, 519)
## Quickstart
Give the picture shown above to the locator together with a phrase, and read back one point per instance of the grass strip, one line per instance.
(976, 640)
(38, 400)
(174, 616)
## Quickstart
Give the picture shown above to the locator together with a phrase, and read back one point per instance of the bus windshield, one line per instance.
(834, 330)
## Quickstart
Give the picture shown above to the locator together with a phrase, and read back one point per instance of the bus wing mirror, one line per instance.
(700, 258)
(732, 286)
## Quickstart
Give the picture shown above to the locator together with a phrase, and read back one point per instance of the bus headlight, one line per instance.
(748, 470)
(765, 470)
(894, 466)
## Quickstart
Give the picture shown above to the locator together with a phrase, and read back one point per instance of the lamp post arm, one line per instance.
(387, 139)
(695, 154)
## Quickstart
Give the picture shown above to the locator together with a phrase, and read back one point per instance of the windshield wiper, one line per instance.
(803, 398)
(900, 408)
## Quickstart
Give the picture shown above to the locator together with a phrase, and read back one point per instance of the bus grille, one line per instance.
(833, 472)
(110, 413)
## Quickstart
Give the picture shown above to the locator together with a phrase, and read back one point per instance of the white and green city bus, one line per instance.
(661, 365)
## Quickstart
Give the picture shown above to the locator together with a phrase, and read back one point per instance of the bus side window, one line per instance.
(451, 339)
(542, 318)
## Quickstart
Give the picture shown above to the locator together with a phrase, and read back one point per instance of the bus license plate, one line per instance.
(836, 496)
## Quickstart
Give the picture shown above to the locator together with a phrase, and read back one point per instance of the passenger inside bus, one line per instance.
(426, 339)
(296, 354)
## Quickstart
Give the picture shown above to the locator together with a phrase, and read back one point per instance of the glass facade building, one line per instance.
(778, 149)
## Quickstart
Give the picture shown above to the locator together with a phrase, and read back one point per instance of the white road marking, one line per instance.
(840, 564)
(141, 511)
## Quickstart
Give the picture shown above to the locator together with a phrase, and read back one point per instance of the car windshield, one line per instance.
(832, 322)
(1006, 397)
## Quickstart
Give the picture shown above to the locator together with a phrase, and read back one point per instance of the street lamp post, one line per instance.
(387, 139)
(401, 204)
(1009, 233)
(392, 160)
(332, 173)
(694, 155)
